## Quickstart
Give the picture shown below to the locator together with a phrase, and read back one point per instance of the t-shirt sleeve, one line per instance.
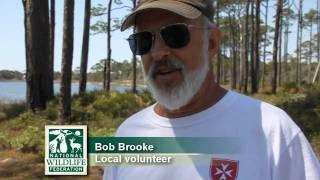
(297, 162)
(109, 173)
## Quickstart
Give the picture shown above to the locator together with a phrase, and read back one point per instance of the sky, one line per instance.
(12, 50)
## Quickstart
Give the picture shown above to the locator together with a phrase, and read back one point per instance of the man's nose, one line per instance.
(159, 49)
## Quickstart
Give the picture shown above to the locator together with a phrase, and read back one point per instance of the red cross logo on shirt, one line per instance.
(224, 169)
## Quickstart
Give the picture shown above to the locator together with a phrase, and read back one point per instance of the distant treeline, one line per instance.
(120, 71)
(11, 75)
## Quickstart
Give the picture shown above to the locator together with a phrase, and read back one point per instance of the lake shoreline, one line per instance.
(15, 91)
(114, 83)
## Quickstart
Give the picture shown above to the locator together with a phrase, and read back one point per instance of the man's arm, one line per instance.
(297, 162)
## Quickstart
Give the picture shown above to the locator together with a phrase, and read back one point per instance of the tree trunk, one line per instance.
(280, 52)
(275, 46)
(318, 30)
(265, 45)
(225, 68)
(310, 55)
(300, 42)
(237, 39)
(242, 56)
(134, 60)
(108, 85)
(298, 73)
(223, 64)
(233, 54)
(51, 49)
(134, 73)
(67, 53)
(37, 52)
(28, 85)
(285, 59)
(316, 73)
(240, 49)
(257, 49)
(219, 50)
(246, 76)
(85, 48)
(252, 50)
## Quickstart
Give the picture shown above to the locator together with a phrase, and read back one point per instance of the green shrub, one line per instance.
(24, 133)
(304, 109)
(121, 104)
(88, 98)
(3, 116)
(52, 111)
(4, 140)
(290, 87)
(315, 142)
(31, 139)
(9, 111)
(101, 132)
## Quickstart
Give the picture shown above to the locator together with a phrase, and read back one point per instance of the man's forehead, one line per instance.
(156, 18)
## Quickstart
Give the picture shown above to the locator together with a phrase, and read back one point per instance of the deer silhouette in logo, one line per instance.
(58, 144)
(74, 146)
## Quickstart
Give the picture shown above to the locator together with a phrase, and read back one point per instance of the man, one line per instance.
(176, 40)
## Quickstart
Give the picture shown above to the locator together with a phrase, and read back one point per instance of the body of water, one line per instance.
(12, 91)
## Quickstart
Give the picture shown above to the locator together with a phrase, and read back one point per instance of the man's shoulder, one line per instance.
(255, 104)
(271, 118)
(262, 118)
(139, 118)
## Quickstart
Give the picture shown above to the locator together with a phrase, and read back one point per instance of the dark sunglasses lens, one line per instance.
(140, 43)
(176, 36)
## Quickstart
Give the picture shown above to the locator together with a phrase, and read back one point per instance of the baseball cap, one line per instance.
(190, 9)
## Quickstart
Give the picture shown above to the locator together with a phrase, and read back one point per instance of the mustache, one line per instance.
(165, 63)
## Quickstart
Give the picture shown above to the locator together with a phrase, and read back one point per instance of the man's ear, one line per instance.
(214, 41)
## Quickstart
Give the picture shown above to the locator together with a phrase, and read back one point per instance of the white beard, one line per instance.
(181, 94)
(192, 81)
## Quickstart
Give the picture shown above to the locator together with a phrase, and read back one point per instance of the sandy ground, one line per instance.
(17, 165)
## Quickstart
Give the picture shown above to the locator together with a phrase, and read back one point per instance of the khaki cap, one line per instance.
(190, 9)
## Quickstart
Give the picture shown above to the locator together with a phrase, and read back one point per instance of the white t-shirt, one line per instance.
(272, 145)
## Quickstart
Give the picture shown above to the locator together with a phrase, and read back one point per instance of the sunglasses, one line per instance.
(174, 36)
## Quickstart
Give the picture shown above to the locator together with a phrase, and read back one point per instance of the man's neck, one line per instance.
(209, 94)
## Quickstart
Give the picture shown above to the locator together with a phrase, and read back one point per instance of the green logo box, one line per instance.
(66, 150)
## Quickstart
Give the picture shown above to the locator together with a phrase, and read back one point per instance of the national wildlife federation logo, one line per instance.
(66, 150)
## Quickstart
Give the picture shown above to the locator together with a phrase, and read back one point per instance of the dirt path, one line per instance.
(17, 165)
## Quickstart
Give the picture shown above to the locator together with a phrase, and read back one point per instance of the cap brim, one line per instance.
(176, 7)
